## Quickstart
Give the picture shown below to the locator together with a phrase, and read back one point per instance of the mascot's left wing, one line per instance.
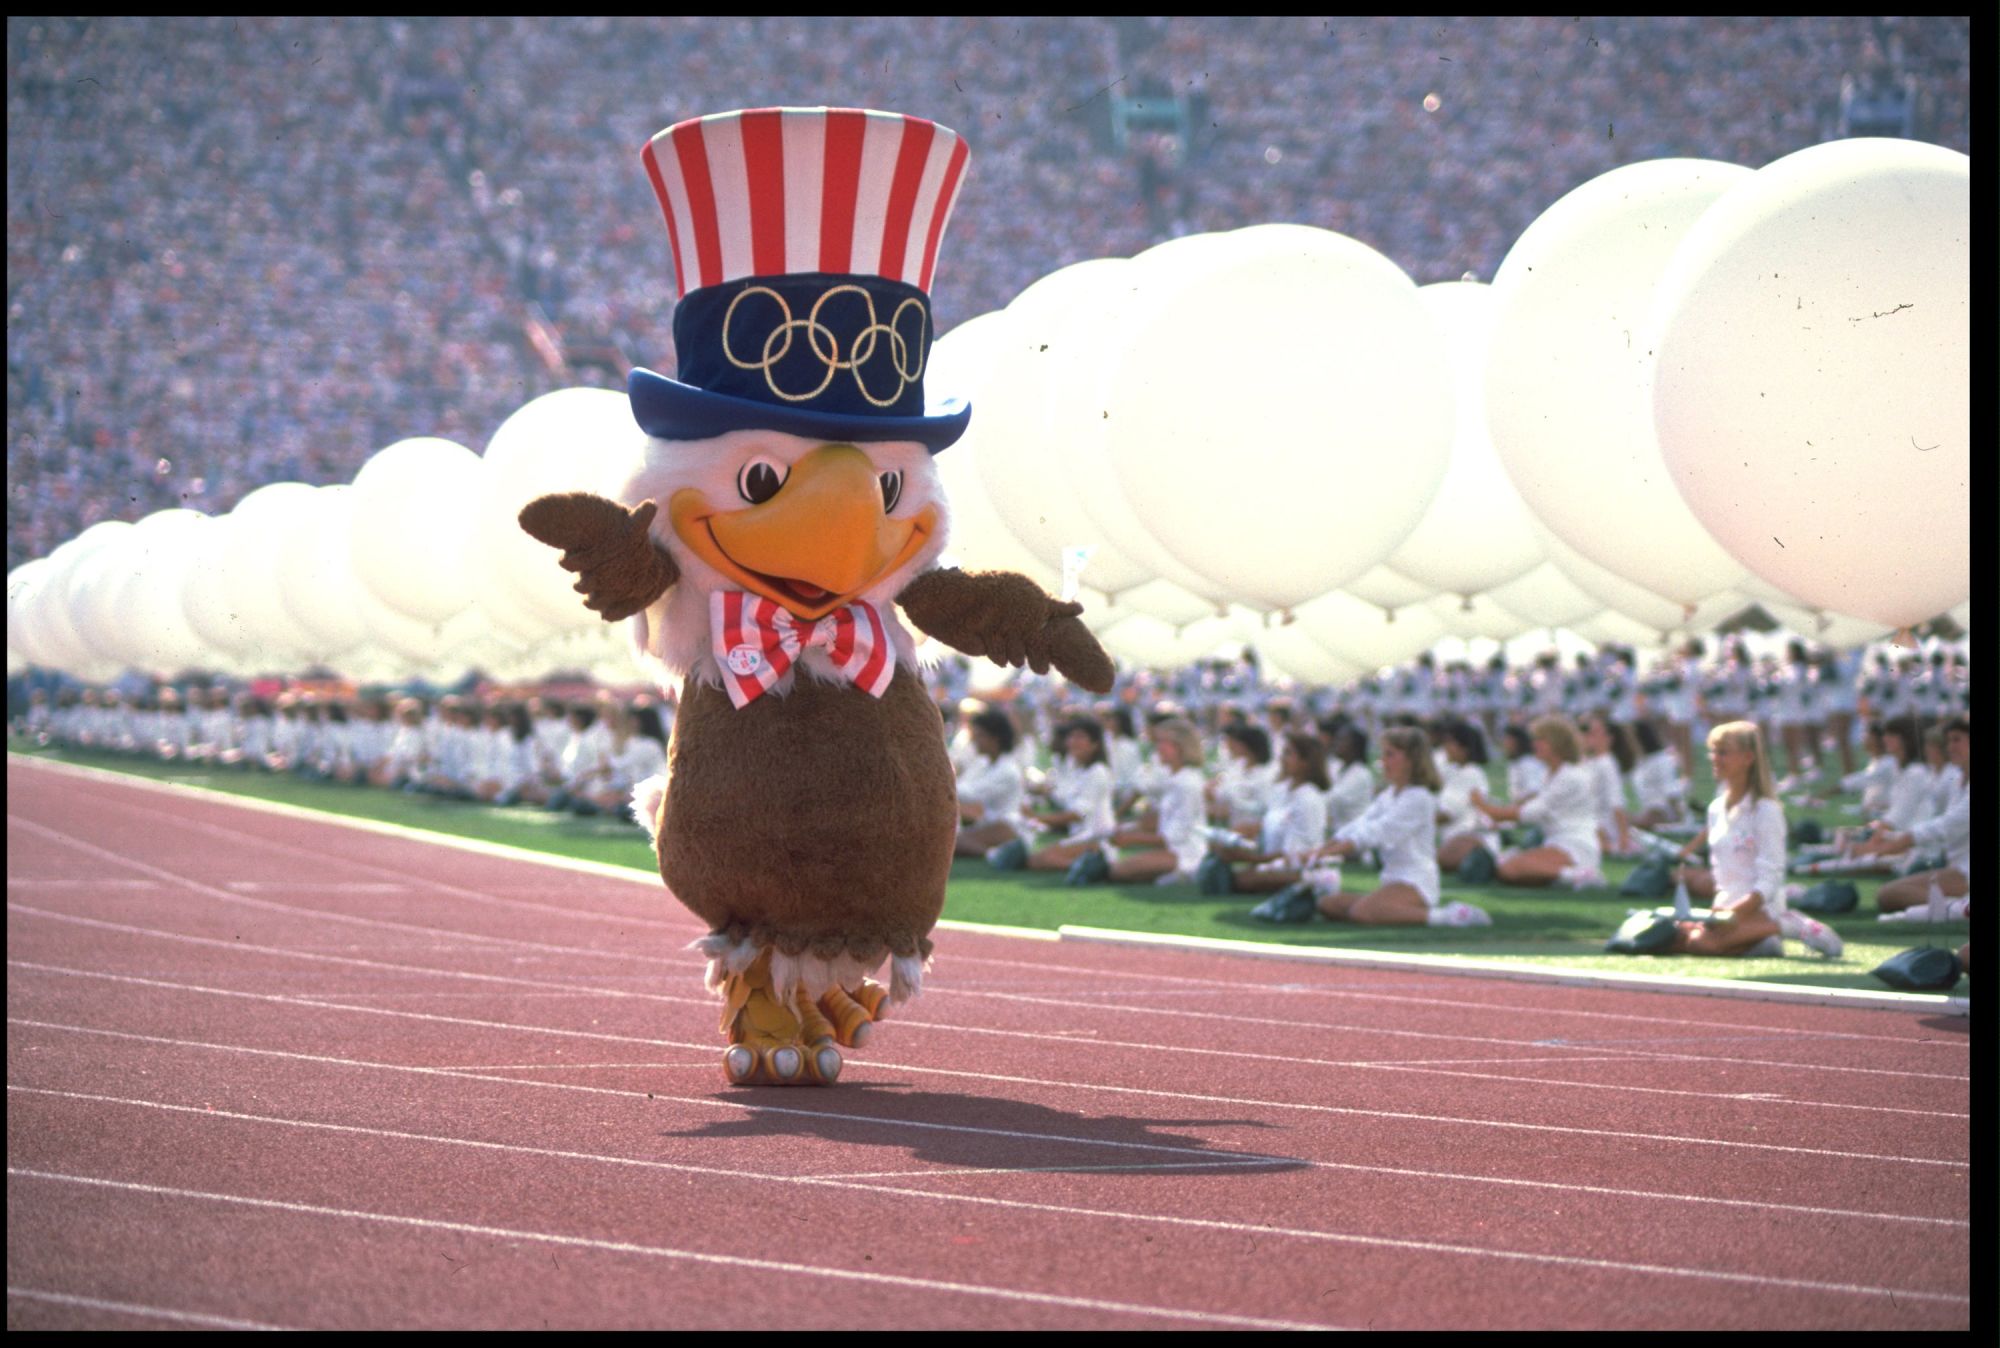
(1008, 619)
(620, 570)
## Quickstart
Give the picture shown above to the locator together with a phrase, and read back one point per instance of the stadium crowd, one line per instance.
(1530, 775)
(245, 250)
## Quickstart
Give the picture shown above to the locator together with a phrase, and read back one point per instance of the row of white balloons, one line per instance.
(415, 568)
(1691, 387)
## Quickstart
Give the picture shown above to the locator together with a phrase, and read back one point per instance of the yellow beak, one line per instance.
(823, 539)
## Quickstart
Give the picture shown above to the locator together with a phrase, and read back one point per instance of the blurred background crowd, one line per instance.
(247, 250)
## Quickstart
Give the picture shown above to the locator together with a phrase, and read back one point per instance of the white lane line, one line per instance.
(128, 1308)
(321, 914)
(947, 990)
(320, 886)
(1083, 973)
(404, 880)
(1065, 1209)
(707, 1065)
(1321, 1027)
(710, 1102)
(690, 1256)
(101, 882)
(1635, 1054)
(658, 997)
(1761, 1097)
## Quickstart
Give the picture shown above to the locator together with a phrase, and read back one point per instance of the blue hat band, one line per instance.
(809, 343)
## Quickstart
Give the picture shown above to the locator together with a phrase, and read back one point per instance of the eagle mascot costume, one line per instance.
(786, 510)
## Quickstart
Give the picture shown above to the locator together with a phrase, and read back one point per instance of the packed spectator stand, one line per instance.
(244, 250)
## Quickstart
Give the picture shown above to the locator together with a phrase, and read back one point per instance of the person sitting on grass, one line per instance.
(1400, 824)
(1294, 823)
(1239, 793)
(1911, 801)
(1565, 810)
(1461, 827)
(506, 760)
(1081, 794)
(990, 787)
(1353, 781)
(1526, 774)
(1606, 753)
(1950, 832)
(1169, 855)
(1659, 786)
(1745, 837)
(1874, 781)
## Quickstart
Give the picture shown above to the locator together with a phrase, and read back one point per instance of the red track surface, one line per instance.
(270, 1071)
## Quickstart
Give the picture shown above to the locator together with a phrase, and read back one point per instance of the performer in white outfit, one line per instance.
(1461, 827)
(1659, 787)
(1950, 831)
(1565, 810)
(1875, 781)
(1294, 823)
(991, 790)
(1082, 796)
(1353, 781)
(1746, 845)
(1401, 825)
(1176, 786)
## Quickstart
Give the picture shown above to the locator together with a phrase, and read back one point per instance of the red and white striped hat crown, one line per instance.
(772, 191)
(804, 242)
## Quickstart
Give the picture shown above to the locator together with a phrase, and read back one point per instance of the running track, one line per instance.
(274, 1071)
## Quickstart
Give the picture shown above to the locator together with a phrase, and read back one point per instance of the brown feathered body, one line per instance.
(819, 823)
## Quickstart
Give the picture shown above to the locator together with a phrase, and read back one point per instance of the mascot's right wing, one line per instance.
(620, 569)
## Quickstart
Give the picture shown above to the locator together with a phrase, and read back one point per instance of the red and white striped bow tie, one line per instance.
(756, 641)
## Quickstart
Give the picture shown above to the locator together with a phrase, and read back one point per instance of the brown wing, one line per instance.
(1008, 619)
(620, 570)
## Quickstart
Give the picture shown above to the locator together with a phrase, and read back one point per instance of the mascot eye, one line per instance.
(892, 490)
(760, 479)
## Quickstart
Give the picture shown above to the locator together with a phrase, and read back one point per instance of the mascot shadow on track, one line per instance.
(787, 508)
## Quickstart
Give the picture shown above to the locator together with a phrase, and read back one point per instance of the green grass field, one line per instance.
(1551, 928)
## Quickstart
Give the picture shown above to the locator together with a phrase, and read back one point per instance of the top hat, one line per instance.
(804, 240)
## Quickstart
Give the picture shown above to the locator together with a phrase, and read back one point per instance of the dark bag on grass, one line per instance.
(1478, 868)
(1292, 904)
(1651, 879)
(1212, 875)
(1828, 896)
(1806, 832)
(1643, 933)
(1924, 969)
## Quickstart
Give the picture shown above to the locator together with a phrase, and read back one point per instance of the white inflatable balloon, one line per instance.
(416, 507)
(1366, 636)
(1566, 383)
(1289, 650)
(1169, 603)
(154, 634)
(1545, 597)
(51, 625)
(1388, 589)
(1812, 385)
(1281, 419)
(1477, 616)
(1030, 445)
(261, 524)
(978, 538)
(316, 578)
(1478, 532)
(1613, 628)
(94, 587)
(24, 585)
(1145, 642)
(575, 439)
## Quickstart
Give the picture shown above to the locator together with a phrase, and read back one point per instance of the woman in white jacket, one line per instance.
(1461, 827)
(991, 789)
(1401, 825)
(1177, 789)
(1746, 845)
(1565, 810)
(1950, 832)
(1659, 787)
(1294, 823)
(1353, 782)
(1082, 796)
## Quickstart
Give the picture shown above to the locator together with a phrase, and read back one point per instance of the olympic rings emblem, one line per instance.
(825, 344)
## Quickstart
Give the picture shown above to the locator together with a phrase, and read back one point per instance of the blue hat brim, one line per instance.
(671, 410)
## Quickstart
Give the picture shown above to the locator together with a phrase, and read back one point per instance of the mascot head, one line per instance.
(790, 453)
